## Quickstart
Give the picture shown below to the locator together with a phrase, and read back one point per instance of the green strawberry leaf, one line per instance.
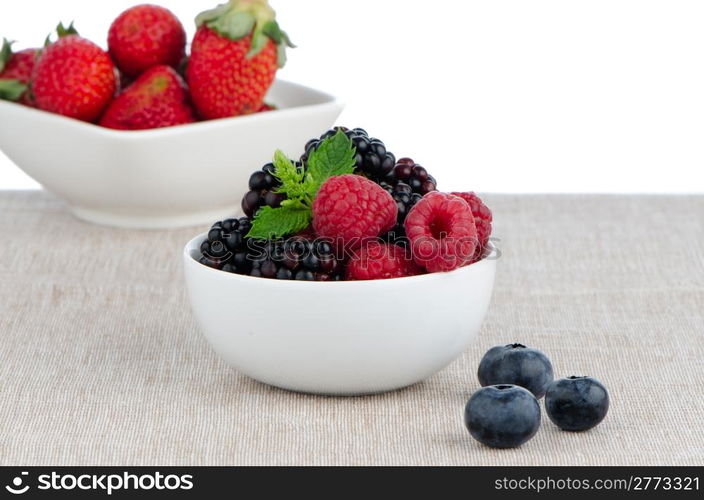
(281, 57)
(271, 223)
(233, 25)
(280, 38)
(12, 90)
(259, 41)
(287, 40)
(63, 31)
(212, 14)
(5, 53)
(273, 31)
(335, 156)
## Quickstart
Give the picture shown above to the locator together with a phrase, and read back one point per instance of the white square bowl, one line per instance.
(171, 177)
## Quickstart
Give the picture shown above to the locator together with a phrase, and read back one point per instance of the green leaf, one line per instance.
(292, 180)
(281, 57)
(287, 40)
(259, 41)
(272, 30)
(271, 223)
(63, 31)
(211, 14)
(335, 156)
(5, 53)
(233, 25)
(12, 90)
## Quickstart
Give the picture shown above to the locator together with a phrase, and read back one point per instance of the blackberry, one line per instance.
(262, 190)
(295, 258)
(408, 183)
(226, 246)
(372, 159)
(405, 199)
(416, 176)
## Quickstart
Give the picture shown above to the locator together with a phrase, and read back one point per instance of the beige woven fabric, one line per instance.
(101, 362)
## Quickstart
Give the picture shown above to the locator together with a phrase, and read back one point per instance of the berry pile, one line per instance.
(505, 413)
(146, 79)
(296, 258)
(405, 180)
(226, 245)
(349, 211)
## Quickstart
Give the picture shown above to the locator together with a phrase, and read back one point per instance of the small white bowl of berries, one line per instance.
(350, 273)
(148, 134)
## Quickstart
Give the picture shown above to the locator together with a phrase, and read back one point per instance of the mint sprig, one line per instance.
(334, 156)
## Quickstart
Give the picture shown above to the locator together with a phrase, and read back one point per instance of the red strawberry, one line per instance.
(145, 36)
(16, 73)
(74, 77)
(156, 99)
(234, 58)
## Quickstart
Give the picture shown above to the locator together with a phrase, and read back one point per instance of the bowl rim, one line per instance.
(194, 245)
(330, 100)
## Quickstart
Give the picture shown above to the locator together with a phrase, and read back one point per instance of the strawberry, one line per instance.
(235, 54)
(74, 77)
(16, 73)
(156, 99)
(145, 36)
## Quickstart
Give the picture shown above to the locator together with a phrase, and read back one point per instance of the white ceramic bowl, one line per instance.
(170, 177)
(338, 338)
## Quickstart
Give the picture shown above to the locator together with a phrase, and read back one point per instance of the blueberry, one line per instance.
(576, 403)
(502, 416)
(516, 364)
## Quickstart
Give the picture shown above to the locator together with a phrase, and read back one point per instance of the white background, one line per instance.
(512, 96)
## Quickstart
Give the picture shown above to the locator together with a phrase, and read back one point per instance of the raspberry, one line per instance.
(482, 219)
(380, 261)
(441, 232)
(351, 209)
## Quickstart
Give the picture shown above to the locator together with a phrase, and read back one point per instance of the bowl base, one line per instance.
(333, 392)
(150, 221)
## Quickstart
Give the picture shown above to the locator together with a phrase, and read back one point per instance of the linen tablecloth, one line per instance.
(101, 362)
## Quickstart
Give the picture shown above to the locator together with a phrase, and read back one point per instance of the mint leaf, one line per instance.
(292, 180)
(272, 223)
(335, 156)
(12, 90)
